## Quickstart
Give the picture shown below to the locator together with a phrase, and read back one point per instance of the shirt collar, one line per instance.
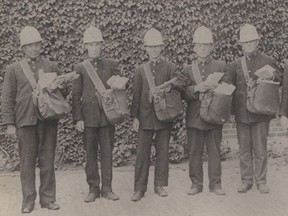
(251, 55)
(95, 60)
(154, 63)
(33, 61)
(205, 62)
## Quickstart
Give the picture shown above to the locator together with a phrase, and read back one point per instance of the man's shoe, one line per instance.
(194, 190)
(27, 209)
(244, 188)
(51, 206)
(91, 197)
(217, 191)
(160, 191)
(137, 196)
(263, 188)
(110, 196)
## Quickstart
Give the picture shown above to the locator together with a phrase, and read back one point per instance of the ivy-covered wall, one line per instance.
(123, 23)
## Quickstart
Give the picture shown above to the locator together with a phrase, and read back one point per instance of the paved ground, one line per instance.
(71, 190)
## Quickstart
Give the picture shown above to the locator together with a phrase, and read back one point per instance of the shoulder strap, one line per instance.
(195, 72)
(244, 68)
(94, 77)
(149, 77)
(150, 80)
(28, 73)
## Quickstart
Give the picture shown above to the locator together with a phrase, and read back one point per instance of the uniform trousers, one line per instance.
(93, 137)
(253, 151)
(212, 140)
(38, 141)
(161, 141)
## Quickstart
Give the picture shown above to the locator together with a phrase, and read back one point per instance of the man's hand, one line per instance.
(202, 87)
(117, 82)
(11, 131)
(57, 84)
(135, 125)
(79, 126)
(267, 75)
(62, 81)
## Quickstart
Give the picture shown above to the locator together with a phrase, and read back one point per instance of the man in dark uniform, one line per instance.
(252, 129)
(284, 101)
(37, 138)
(89, 116)
(145, 119)
(200, 132)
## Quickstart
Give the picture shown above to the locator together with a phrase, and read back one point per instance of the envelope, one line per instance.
(117, 82)
(214, 78)
(264, 70)
(45, 79)
(225, 88)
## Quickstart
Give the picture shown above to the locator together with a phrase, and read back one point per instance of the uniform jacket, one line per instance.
(142, 109)
(86, 106)
(193, 118)
(17, 104)
(236, 76)
(284, 100)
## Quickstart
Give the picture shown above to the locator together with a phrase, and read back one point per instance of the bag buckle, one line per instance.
(158, 95)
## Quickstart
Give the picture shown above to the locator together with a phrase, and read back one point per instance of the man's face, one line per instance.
(94, 49)
(32, 50)
(250, 46)
(203, 50)
(154, 52)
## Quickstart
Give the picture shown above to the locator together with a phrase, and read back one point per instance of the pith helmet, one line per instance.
(248, 33)
(92, 34)
(153, 37)
(203, 35)
(29, 35)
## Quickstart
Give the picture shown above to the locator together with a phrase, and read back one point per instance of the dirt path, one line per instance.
(72, 188)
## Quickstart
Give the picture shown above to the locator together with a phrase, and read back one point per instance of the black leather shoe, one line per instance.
(194, 190)
(244, 188)
(160, 191)
(110, 196)
(91, 197)
(94, 192)
(137, 196)
(263, 188)
(51, 206)
(217, 191)
(27, 209)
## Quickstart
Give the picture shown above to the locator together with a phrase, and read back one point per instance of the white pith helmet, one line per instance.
(248, 33)
(153, 37)
(29, 35)
(203, 35)
(92, 34)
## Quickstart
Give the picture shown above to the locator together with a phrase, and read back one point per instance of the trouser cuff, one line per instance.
(47, 201)
(106, 189)
(261, 182)
(140, 188)
(215, 186)
(250, 182)
(161, 183)
(94, 188)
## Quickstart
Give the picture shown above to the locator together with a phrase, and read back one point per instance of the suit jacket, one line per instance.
(236, 76)
(85, 104)
(284, 101)
(193, 118)
(142, 109)
(17, 104)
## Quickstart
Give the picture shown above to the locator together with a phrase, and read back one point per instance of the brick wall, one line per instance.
(229, 130)
(277, 145)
